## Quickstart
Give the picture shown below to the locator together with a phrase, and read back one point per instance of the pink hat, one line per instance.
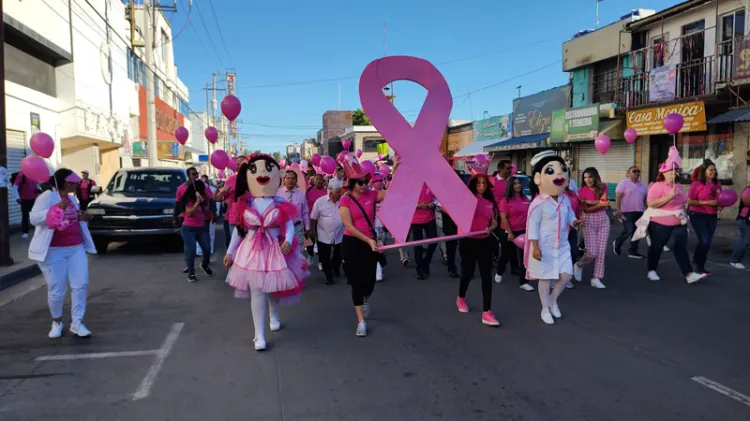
(73, 178)
(673, 160)
(352, 169)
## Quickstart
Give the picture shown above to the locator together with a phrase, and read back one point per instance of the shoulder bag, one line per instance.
(380, 256)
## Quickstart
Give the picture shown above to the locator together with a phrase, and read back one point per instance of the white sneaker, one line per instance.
(547, 317)
(260, 344)
(737, 265)
(275, 324)
(694, 277)
(653, 276)
(666, 248)
(80, 330)
(361, 329)
(56, 330)
(498, 278)
(379, 277)
(320, 267)
(526, 287)
(597, 283)
(315, 248)
(366, 310)
(648, 240)
(555, 310)
(570, 285)
(24, 236)
(577, 272)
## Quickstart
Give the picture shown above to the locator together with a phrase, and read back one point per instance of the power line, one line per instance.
(208, 34)
(221, 34)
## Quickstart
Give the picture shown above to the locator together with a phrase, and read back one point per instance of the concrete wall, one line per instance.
(49, 19)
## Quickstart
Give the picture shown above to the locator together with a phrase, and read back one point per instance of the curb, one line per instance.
(17, 276)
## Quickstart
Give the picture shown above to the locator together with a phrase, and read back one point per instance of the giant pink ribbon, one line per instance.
(418, 146)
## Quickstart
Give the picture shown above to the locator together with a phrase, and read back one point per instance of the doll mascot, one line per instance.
(264, 254)
(547, 251)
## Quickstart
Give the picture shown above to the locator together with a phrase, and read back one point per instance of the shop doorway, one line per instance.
(659, 150)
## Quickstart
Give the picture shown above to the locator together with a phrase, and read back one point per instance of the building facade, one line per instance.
(334, 123)
(366, 138)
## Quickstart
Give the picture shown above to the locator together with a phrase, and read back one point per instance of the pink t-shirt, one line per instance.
(207, 195)
(313, 195)
(746, 209)
(633, 195)
(367, 201)
(70, 236)
(482, 216)
(423, 216)
(575, 202)
(27, 190)
(498, 191)
(700, 191)
(586, 193)
(198, 218)
(517, 209)
(660, 189)
(85, 185)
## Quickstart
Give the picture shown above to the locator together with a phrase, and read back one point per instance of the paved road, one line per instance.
(626, 353)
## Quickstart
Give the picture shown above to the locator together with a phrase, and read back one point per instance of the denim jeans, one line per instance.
(704, 225)
(743, 243)
(628, 230)
(660, 235)
(191, 235)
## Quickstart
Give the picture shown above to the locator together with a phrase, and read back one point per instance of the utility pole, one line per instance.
(153, 147)
(213, 100)
(208, 144)
(5, 259)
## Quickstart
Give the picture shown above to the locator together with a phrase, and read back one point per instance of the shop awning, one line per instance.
(532, 141)
(475, 148)
(731, 116)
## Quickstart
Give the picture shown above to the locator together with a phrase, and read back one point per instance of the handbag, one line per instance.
(380, 256)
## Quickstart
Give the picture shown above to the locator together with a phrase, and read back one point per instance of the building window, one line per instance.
(717, 145)
(732, 25)
(658, 51)
(163, 46)
(605, 81)
(157, 82)
(371, 145)
(27, 70)
(184, 109)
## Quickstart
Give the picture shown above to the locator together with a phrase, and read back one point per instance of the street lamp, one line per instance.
(519, 90)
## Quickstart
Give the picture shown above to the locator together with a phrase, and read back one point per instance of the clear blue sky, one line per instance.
(475, 44)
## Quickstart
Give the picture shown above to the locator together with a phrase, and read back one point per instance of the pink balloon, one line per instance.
(303, 164)
(219, 159)
(315, 160)
(328, 165)
(631, 135)
(211, 134)
(282, 162)
(42, 145)
(726, 198)
(385, 170)
(181, 134)
(673, 123)
(232, 164)
(602, 144)
(358, 154)
(520, 241)
(368, 166)
(231, 107)
(35, 168)
(346, 144)
(513, 170)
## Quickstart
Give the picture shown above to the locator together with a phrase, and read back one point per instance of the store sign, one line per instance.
(516, 146)
(167, 118)
(651, 120)
(575, 124)
(742, 59)
(533, 114)
(492, 128)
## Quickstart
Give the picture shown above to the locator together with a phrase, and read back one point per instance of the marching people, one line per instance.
(594, 202)
(506, 254)
(84, 192)
(27, 191)
(316, 190)
(630, 202)
(743, 225)
(210, 216)
(226, 195)
(61, 241)
(327, 229)
(514, 209)
(196, 205)
(423, 226)
(704, 209)
(291, 194)
(575, 205)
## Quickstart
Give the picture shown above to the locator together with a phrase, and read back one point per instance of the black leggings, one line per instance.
(477, 251)
(360, 265)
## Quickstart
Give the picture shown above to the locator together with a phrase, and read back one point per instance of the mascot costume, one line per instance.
(264, 254)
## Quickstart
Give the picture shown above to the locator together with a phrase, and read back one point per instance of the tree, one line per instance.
(359, 118)
(277, 156)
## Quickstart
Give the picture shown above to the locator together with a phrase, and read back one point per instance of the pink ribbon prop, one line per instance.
(430, 240)
(418, 147)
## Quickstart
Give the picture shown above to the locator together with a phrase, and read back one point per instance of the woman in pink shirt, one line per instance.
(594, 202)
(423, 225)
(196, 202)
(479, 250)
(703, 211)
(743, 223)
(514, 208)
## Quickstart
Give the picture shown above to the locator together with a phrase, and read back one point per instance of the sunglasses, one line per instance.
(636, 171)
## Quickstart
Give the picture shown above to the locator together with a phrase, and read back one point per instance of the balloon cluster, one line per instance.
(230, 108)
(672, 123)
(34, 166)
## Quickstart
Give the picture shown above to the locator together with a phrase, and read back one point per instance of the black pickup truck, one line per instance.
(137, 204)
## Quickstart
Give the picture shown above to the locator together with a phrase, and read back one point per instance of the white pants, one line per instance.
(63, 265)
(212, 235)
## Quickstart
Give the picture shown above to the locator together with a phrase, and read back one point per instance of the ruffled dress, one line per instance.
(259, 264)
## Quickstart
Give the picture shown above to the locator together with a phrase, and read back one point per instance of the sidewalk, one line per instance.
(22, 268)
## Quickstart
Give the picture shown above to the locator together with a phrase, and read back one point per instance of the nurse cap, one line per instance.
(541, 155)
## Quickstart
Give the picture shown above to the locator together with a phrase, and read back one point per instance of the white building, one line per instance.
(199, 121)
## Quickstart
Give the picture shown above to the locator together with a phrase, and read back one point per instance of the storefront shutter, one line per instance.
(612, 166)
(16, 142)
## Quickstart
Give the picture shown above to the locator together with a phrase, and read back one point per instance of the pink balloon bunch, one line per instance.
(35, 168)
(181, 134)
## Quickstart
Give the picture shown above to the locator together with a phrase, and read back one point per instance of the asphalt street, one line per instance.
(639, 350)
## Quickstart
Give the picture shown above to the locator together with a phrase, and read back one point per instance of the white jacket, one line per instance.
(43, 235)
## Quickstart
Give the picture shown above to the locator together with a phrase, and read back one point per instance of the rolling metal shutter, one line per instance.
(16, 142)
(612, 166)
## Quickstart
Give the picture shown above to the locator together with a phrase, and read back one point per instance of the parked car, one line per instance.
(137, 204)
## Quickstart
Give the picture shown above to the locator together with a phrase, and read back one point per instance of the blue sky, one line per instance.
(277, 46)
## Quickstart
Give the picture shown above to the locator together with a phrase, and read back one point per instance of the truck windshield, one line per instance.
(146, 182)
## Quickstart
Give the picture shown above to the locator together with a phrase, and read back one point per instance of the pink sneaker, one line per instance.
(461, 304)
(489, 319)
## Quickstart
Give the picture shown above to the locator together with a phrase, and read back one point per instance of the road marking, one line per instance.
(97, 355)
(148, 382)
(724, 390)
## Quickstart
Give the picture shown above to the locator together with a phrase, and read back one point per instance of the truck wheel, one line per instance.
(101, 245)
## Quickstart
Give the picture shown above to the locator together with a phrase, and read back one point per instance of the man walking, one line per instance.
(328, 229)
(630, 203)
(290, 193)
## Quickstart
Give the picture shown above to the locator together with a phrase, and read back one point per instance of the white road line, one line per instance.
(148, 382)
(718, 387)
(97, 355)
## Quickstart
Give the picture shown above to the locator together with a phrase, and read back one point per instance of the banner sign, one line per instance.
(651, 120)
(492, 128)
(742, 59)
(533, 114)
(575, 124)
(662, 83)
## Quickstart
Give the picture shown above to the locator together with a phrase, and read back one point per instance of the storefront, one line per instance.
(518, 150)
(487, 132)
(169, 151)
(459, 135)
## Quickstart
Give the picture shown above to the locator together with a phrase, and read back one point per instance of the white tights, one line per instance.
(258, 302)
(548, 299)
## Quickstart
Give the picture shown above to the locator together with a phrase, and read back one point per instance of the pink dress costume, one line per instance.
(259, 263)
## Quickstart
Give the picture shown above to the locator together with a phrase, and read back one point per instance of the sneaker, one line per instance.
(320, 267)
(648, 240)
(695, 277)
(555, 310)
(570, 285)
(56, 330)
(366, 310)
(498, 278)
(404, 262)
(78, 329)
(379, 277)
(361, 329)
(454, 275)
(275, 324)
(207, 270)
(547, 317)
(737, 265)
(461, 304)
(616, 249)
(666, 248)
(578, 272)
(260, 344)
(185, 270)
(597, 283)
(421, 276)
(192, 278)
(489, 319)
(653, 276)
(24, 236)
(635, 255)
(526, 287)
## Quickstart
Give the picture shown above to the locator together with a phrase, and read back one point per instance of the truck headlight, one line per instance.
(96, 211)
